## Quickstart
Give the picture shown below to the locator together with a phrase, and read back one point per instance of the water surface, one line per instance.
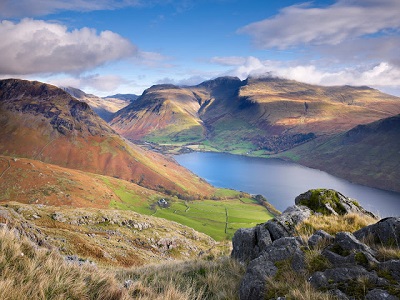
(280, 181)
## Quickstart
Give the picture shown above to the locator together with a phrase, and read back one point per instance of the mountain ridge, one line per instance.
(47, 123)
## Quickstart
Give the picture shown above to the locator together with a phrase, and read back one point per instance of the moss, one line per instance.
(394, 290)
(319, 197)
(361, 259)
(384, 273)
(339, 250)
(357, 288)
(317, 263)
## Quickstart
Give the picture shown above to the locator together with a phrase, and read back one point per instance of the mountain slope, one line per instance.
(258, 114)
(104, 107)
(165, 111)
(43, 122)
(367, 154)
(107, 237)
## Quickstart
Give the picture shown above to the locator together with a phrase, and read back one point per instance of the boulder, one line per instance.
(344, 278)
(248, 243)
(385, 232)
(348, 242)
(252, 286)
(253, 282)
(244, 245)
(318, 237)
(328, 202)
(378, 294)
(392, 267)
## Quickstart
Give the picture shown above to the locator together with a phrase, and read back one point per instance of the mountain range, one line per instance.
(268, 117)
(104, 107)
(42, 122)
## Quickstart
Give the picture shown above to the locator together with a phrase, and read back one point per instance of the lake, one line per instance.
(281, 181)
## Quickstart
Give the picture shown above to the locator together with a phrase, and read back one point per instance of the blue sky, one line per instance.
(125, 46)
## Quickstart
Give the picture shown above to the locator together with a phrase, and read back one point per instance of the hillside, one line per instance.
(59, 252)
(367, 154)
(43, 122)
(107, 237)
(163, 113)
(124, 97)
(258, 115)
(104, 107)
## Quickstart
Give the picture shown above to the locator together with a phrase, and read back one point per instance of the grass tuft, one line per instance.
(334, 224)
(199, 279)
(29, 272)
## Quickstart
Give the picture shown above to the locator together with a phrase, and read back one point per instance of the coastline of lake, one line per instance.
(281, 181)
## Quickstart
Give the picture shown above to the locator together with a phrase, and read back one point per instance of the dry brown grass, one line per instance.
(385, 253)
(28, 272)
(334, 224)
(198, 279)
(293, 285)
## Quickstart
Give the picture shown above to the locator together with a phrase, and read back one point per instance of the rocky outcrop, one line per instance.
(330, 202)
(248, 243)
(385, 232)
(346, 267)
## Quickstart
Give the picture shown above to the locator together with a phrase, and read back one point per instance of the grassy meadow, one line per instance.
(219, 217)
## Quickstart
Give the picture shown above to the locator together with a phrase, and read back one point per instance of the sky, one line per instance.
(106, 47)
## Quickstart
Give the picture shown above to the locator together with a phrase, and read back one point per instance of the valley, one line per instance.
(269, 117)
(97, 198)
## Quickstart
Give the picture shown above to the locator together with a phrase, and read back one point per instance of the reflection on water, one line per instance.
(280, 181)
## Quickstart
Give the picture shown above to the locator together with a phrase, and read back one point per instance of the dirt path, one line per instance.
(6, 169)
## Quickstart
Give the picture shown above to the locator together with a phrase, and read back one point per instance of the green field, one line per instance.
(216, 218)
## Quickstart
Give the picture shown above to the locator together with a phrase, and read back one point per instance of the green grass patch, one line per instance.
(209, 216)
(216, 218)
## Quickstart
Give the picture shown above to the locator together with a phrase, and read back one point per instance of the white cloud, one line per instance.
(34, 46)
(331, 25)
(189, 81)
(152, 59)
(384, 76)
(100, 84)
(228, 61)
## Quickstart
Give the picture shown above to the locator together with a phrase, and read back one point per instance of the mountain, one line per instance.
(259, 115)
(43, 122)
(166, 112)
(125, 97)
(104, 107)
(367, 154)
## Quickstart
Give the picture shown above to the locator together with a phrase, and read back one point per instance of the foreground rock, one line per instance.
(345, 267)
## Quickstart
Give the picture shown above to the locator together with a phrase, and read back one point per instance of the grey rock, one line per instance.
(57, 216)
(330, 201)
(248, 243)
(282, 249)
(252, 286)
(348, 242)
(128, 283)
(263, 237)
(386, 232)
(285, 224)
(244, 245)
(253, 282)
(378, 294)
(344, 277)
(318, 237)
(338, 294)
(393, 267)
(336, 259)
